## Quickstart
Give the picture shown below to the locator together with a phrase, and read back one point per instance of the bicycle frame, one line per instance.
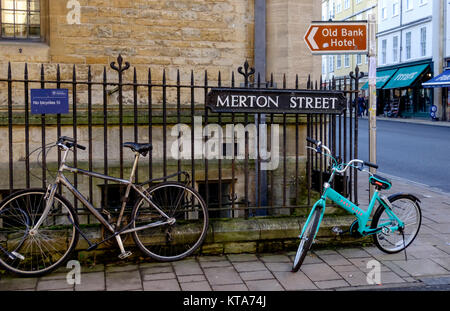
(61, 179)
(362, 216)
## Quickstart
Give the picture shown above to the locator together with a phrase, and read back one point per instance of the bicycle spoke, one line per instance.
(180, 238)
(44, 248)
(409, 213)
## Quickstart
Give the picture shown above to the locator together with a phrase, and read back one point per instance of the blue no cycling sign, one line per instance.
(49, 101)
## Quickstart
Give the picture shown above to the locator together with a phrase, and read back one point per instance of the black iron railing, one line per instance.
(151, 109)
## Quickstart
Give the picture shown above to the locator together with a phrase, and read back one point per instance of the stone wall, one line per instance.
(190, 35)
(197, 35)
(35, 134)
(287, 53)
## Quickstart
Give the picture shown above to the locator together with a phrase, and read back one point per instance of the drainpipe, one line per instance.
(260, 68)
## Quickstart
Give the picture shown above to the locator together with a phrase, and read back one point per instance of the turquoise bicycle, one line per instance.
(395, 223)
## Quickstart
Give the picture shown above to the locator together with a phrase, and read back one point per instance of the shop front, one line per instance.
(443, 81)
(404, 90)
(383, 96)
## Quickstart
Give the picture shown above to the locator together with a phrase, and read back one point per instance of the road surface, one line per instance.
(420, 153)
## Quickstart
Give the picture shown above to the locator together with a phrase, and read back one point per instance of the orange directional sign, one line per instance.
(337, 37)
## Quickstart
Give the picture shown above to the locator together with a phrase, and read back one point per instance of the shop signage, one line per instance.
(49, 101)
(337, 37)
(275, 101)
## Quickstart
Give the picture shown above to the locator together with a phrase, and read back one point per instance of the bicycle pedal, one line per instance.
(337, 230)
(125, 255)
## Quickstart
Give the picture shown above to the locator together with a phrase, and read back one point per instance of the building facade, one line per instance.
(410, 52)
(339, 66)
(178, 41)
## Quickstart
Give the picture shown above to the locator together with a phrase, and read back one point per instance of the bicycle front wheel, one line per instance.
(182, 237)
(306, 239)
(408, 211)
(29, 252)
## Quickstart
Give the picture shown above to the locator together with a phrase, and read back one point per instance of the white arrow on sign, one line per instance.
(311, 38)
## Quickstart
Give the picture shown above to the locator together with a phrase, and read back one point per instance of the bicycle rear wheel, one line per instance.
(408, 211)
(175, 241)
(306, 239)
(29, 252)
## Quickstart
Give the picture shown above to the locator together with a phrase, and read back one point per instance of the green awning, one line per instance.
(383, 76)
(405, 77)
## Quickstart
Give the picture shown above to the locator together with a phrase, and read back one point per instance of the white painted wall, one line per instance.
(418, 10)
(389, 20)
(447, 30)
(417, 16)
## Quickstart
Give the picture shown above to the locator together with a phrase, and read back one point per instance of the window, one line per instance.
(395, 8)
(338, 61)
(408, 45)
(20, 19)
(359, 59)
(112, 197)
(213, 196)
(339, 6)
(409, 5)
(423, 41)
(331, 64)
(383, 10)
(347, 60)
(383, 51)
(395, 49)
(423, 2)
(346, 4)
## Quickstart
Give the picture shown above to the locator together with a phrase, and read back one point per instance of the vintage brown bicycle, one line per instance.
(39, 228)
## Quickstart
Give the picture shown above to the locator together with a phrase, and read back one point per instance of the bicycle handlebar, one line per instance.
(370, 164)
(313, 141)
(70, 142)
(319, 150)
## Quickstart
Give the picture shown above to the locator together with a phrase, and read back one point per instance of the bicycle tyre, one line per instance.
(44, 250)
(399, 205)
(176, 241)
(307, 239)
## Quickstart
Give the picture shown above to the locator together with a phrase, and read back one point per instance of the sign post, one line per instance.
(352, 37)
(372, 96)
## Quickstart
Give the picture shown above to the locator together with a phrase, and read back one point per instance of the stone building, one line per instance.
(177, 39)
(410, 52)
(339, 66)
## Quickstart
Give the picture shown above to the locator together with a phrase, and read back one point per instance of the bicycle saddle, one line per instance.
(141, 148)
(381, 182)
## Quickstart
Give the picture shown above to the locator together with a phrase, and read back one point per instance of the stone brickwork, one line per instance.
(189, 35)
(198, 35)
(287, 53)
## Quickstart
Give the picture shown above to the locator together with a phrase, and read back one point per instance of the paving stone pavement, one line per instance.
(344, 268)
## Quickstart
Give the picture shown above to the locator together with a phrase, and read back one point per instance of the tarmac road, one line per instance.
(416, 152)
